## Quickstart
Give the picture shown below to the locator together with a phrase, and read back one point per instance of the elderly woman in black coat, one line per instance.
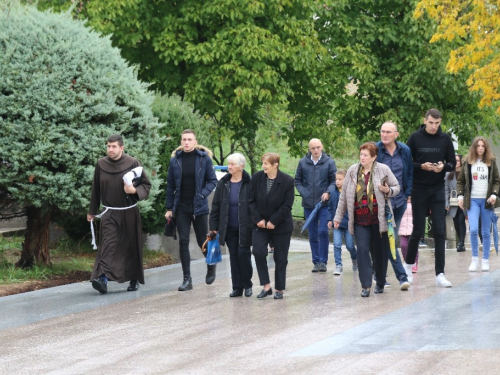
(271, 198)
(230, 217)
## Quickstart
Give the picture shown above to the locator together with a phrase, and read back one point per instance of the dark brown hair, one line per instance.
(433, 112)
(451, 175)
(115, 138)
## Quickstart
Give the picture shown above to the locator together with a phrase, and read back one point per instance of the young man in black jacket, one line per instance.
(433, 155)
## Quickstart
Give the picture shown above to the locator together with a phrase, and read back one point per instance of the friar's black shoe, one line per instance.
(236, 293)
(210, 278)
(378, 289)
(133, 286)
(100, 285)
(365, 292)
(187, 284)
(248, 292)
(265, 293)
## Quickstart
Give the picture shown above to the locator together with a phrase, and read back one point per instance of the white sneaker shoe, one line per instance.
(409, 274)
(441, 281)
(485, 265)
(474, 264)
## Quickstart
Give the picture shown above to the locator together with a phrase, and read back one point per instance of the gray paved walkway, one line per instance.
(321, 326)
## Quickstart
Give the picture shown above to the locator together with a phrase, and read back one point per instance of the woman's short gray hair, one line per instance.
(237, 158)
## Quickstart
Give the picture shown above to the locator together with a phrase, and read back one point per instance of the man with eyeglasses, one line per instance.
(397, 156)
(315, 181)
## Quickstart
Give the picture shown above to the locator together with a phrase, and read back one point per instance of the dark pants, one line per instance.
(184, 217)
(459, 223)
(260, 240)
(422, 200)
(370, 240)
(240, 259)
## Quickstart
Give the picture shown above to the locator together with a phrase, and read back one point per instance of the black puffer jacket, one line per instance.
(220, 210)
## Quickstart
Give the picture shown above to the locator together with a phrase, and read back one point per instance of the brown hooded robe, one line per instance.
(119, 255)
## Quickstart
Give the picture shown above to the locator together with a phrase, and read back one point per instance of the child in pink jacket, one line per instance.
(405, 229)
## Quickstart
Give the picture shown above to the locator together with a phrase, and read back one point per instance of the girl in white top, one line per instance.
(477, 189)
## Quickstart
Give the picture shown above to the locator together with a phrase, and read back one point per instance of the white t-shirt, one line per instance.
(479, 180)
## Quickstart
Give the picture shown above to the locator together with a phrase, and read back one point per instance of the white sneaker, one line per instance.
(409, 274)
(474, 264)
(485, 265)
(441, 281)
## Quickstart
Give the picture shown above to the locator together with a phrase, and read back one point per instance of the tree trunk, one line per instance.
(36, 240)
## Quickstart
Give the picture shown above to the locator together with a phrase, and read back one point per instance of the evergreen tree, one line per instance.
(63, 90)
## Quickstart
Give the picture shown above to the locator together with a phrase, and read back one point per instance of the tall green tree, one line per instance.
(391, 71)
(63, 90)
(227, 57)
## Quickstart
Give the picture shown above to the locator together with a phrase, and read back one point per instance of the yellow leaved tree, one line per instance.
(474, 27)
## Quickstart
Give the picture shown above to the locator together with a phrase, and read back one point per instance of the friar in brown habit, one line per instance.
(119, 255)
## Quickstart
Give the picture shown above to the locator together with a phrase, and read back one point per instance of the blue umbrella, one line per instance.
(312, 216)
(494, 219)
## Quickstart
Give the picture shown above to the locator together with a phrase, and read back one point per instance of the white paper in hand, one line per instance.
(128, 177)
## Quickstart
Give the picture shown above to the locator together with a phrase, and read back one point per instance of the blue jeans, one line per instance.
(397, 265)
(477, 208)
(337, 244)
(318, 235)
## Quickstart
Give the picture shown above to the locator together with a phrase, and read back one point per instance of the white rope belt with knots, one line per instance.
(100, 215)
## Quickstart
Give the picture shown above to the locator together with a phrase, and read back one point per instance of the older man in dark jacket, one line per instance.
(315, 181)
(190, 180)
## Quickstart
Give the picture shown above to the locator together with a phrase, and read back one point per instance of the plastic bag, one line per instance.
(214, 255)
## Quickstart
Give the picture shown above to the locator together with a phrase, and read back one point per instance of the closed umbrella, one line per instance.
(312, 216)
(390, 231)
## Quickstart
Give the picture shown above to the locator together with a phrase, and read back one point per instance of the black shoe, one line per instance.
(378, 289)
(316, 268)
(187, 284)
(365, 292)
(133, 286)
(460, 247)
(265, 293)
(210, 278)
(278, 295)
(236, 293)
(322, 267)
(100, 285)
(248, 292)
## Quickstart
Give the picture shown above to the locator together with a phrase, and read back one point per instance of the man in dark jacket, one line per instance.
(190, 180)
(433, 155)
(315, 181)
(397, 156)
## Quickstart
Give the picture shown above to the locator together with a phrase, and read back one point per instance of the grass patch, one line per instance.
(68, 258)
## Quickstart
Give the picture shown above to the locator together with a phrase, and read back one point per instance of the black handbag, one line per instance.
(170, 228)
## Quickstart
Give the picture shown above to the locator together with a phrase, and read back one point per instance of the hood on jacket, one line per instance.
(245, 177)
(202, 150)
(422, 130)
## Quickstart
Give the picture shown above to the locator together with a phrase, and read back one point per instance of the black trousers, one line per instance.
(260, 240)
(369, 240)
(185, 217)
(240, 259)
(421, 201)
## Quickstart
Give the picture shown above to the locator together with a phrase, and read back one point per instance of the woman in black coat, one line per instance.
(271, 198)
(230, 216)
